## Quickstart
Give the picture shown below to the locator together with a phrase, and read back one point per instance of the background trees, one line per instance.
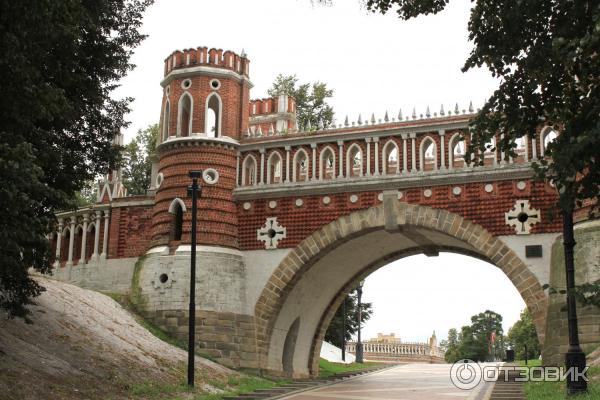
(311, 100)
(474, 341)
(334, 331)
(523, 335)
(137, 163)
(60, 62)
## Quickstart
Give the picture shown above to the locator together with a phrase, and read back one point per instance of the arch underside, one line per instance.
(312, 280)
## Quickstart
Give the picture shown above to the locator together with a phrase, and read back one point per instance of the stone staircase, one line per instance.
(300, 386)
(506, 388)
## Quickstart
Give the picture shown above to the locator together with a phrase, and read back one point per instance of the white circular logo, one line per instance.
(465, 374)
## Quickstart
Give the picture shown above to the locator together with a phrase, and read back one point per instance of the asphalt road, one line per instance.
(406, 382)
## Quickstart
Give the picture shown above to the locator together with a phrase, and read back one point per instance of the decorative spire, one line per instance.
(359, 120)
(442, 112)
(373, 119)
(456, 110)
(471, 107)
(400, 115)
(243, 54)
(414, 114)
(346, 121)
(427, 113)
(386, 118)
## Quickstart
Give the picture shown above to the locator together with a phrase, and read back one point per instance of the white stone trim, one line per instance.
(176, 200)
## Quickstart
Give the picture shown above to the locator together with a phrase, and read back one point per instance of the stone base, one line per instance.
(225, 337)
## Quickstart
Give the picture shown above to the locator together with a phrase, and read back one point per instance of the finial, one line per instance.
(386, 118)
(427, 113)
(471, 107)
(359, 120)
(400, 115)
(243, 54)
(456, 110)
(414, 114)
(373, 119)
(442, 113)
(346, 121)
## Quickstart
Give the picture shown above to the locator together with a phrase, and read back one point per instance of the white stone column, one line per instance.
(313, 146)
(413, 167)
(59, 241)
(104, 254)
(442, 134)
(71, 241)
(368, 154)
(533, 150)
(287, 163)
(237, 169)
(262, 167)
(86, 220)
(526, 145)
(96, 235)
(341, 158)
(502, 160)
(376, 141)
(404, 154)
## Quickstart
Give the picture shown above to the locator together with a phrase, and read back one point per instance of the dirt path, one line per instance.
(84, 345)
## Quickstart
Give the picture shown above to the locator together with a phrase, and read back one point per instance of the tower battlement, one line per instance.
(208, 57)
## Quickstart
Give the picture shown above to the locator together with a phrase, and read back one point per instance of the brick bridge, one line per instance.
(292, 218)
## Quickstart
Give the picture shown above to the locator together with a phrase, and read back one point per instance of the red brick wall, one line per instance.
(130, 231)
(474, 204)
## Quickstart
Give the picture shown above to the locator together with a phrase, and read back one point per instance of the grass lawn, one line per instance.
(557, 390)
(327, 368)
(530, 363)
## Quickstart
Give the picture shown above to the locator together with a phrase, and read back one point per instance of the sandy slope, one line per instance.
(84, 345)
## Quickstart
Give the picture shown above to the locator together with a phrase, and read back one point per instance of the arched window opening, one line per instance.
(166, 120)
(185, 115)
(213, 116)
(327, 164)
(64, 246)
(249, 172)
(428, 155)
(549, 135)
(456, 151)
(489, 155)
(274, 168)
(354, 161)
(176, 209)
(77, 243)
(300, 166)
(89, 244)
(391, 158)
(53, 241)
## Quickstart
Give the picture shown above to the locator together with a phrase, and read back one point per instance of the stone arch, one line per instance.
(327, 150)
(185, 110)
(424, 146)
(388, 225)
(547, 135)
(274, 166)
(297, 172)
(249, 170)
(214, 104)
(386, 152)
(457, 149)
(354, 151)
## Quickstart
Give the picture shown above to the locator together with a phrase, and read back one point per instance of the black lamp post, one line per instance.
(359, 345)
(194, 191)
(344, 329)
(575, 357)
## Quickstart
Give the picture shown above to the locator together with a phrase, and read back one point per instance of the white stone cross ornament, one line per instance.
(522, 217)
(271, 233)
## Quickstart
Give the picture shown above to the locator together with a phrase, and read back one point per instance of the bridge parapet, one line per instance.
(398, 352)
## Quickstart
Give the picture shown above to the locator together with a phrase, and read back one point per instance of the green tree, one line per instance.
(61, 61)
(311, 100)
(333, 334)
(137, 163)
(452, 343)
(545, 54)
(474, 341)
(523, 335)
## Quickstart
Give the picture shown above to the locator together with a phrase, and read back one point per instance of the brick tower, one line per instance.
(204, 112)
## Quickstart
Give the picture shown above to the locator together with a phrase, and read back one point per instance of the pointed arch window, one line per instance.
(184, 120)
(548, 135)
(166, 120)
(354, 161)
(428, 155)
(213, 115)
(391, 161)
(327, 164)
(274, 164)
(177, 208)
(457, 151)
(249, 170)
(300, 170)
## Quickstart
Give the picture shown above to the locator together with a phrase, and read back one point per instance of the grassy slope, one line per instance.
(557, 390)
(327, 368)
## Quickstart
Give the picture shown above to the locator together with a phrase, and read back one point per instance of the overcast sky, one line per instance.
(375, 64)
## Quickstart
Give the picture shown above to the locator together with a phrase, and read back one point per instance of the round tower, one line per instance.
(203, 115)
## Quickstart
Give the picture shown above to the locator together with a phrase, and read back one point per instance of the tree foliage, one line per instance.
(137, 162)
(474, 341)
(311, 100)
(60, 62)
(547, 56)
(333, 334)
(522, 335)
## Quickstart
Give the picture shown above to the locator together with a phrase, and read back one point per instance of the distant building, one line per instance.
(390, 349)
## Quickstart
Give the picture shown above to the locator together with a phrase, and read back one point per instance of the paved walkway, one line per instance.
(405, 382)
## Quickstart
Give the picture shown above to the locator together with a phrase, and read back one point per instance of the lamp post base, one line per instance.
(575, 359)
(359, 353)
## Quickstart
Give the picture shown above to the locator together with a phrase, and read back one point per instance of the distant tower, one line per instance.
(204, 113)
(111, 186)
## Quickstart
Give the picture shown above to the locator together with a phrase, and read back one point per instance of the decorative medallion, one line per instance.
(271, 233)
(522, 217)
(163, 278)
